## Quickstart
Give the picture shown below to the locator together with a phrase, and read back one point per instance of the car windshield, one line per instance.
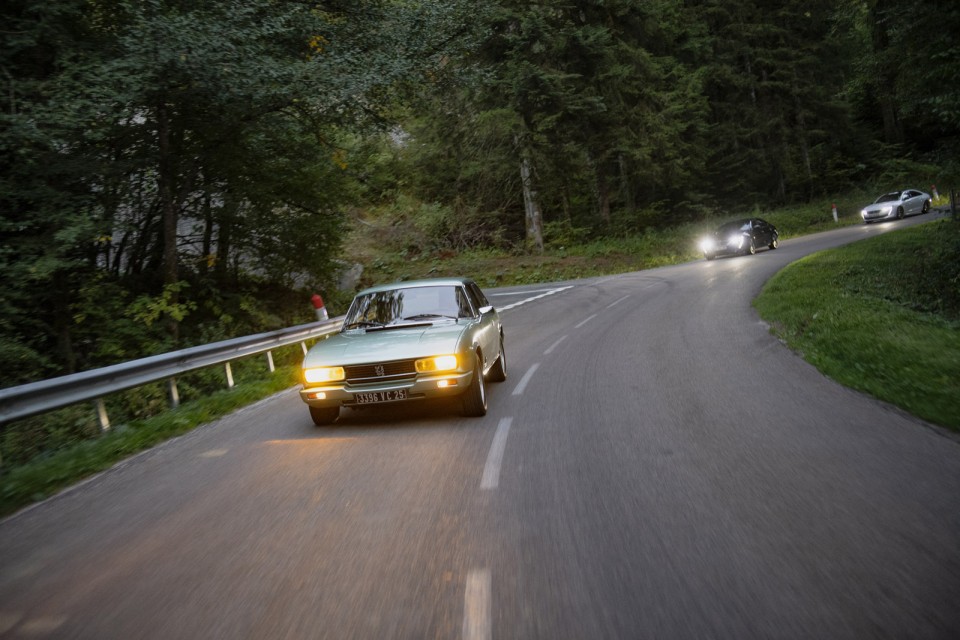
(733, 227)
(888, 197)
(409, 304)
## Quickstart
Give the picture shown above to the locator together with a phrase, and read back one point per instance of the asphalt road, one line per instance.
(657, 465)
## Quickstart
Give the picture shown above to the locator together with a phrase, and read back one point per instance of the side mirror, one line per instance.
(486, 309)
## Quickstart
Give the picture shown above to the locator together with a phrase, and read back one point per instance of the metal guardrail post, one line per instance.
(303, 345)
(229, 371)
(270, 361)
(173, 393)
(102, 416)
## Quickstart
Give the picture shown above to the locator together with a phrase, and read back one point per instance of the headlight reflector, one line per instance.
(324, 374)
(436, 363)
(706, 245)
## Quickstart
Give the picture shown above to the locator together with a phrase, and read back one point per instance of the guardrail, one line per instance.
(46, 395)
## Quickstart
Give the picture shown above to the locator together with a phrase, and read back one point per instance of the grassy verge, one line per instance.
(881, 316)
(381, 244)
(45, 475)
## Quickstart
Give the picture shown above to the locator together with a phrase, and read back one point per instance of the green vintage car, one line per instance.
(408, 341)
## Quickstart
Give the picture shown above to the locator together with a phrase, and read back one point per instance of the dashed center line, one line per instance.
(491, 470)
(554, 346)
(476, 606)
(616, 302)
(525, 379)
(585, 321)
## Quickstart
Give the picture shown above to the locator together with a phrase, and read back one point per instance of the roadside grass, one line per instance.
(881, 316)
(569, 252)
(47, 474)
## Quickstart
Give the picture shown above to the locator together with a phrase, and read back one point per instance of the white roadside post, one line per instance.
(835, 219)
(321, 310)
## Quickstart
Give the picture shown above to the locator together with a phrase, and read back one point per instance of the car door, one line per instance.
(761, 233)
(911, 203)
(487, 330)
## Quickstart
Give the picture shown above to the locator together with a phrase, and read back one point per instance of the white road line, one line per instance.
(476, 606)
(585, 321)
(525, 379)
(491, 470)
(554, 346)
(549, 292)
(517, 293)
(615, 303)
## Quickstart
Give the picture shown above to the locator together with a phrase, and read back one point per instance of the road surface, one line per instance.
(657, 465)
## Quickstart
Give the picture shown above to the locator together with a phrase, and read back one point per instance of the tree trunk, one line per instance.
(168, 210)
(886, 77)
(531, 202)
(625, 187)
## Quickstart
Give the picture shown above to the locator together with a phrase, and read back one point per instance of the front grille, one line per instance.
(398, 370)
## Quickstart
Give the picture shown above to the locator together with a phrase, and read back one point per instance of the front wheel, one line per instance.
(475, 397)
(322, 416)
(709, 256)
(498, 373)
(751, 248)
(899, 213)
(926, 206)
(775, 242)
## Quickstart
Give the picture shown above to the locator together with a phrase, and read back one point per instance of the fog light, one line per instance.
(319, 395)
(443, 384)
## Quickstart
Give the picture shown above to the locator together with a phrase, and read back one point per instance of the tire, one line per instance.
(323, 416)
(899, 213)
(751, 248)
(926, 206)
(775, 242)
(709, 256)
(475, 397)
(498, 373)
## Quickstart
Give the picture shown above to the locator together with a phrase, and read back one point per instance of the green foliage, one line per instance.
(899, 286)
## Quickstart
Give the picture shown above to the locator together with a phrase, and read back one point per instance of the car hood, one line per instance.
(356, 347)
(877, 206)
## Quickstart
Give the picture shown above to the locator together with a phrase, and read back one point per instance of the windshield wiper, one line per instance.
(362, 323)
(427, 316)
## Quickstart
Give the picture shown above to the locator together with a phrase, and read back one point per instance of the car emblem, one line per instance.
(379, 370)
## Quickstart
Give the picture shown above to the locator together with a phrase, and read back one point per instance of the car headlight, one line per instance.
(863, 213)
(436, 363)
(706, 245)
(324, 374)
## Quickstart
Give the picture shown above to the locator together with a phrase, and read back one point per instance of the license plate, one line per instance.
(380, 396)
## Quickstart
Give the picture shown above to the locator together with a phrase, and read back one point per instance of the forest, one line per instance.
(176, 172)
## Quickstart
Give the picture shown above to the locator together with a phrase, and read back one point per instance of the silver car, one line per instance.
(406, 341)
(896, 205)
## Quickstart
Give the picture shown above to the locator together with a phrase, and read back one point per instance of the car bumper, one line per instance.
(873, 216)
(420, 388)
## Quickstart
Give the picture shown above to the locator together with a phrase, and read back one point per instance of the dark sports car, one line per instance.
(740, 237)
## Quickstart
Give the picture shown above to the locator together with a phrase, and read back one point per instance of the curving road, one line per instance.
(657, 465)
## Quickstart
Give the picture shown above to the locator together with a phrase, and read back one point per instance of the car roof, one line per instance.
(409, 284)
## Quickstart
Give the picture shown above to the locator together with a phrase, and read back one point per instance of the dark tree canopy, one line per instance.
(174, 172)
